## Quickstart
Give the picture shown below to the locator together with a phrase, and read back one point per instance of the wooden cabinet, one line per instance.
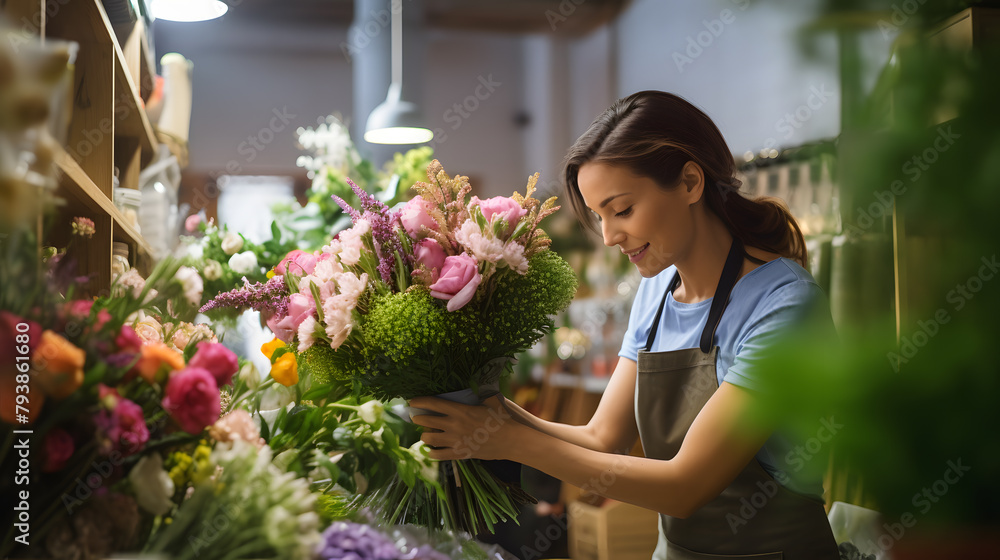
(108, 129)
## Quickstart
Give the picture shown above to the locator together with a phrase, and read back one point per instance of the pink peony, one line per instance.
(500, 207)
(297, 262)
(191, 222)
(192, 399)
(416, 213)
(58, 447)
(122, 423)
(458, 281)
(429, 253)
(217, 360)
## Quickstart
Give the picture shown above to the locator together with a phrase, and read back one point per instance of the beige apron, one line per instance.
(755, 516)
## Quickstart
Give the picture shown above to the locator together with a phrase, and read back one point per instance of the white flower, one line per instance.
(193, 285)
(377, 436)
(243, 263)
(213, 270)
(232, 243)
(307, 331)
(250, 375)
(428, 467)
(513, 255)
(152, 485)
(371, 412)
(484, 246)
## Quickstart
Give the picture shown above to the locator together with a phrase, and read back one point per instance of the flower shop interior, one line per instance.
(221, 232)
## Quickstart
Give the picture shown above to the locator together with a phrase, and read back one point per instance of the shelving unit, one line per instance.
(109, 127)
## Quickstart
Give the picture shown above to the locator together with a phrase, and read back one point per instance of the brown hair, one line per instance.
(654, 134)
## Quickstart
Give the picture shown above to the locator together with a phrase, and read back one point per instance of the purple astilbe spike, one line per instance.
(383, 222)
(261, 296)
(347, 208)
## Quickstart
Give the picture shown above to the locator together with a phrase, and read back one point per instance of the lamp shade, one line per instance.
(396, 121)
(188, 10)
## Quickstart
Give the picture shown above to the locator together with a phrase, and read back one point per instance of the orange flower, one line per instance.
(9, 393)
(286, 370)
(269, 347)
(58, 365)
(154, 357)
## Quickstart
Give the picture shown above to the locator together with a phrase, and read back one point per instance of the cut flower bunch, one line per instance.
(433, 298)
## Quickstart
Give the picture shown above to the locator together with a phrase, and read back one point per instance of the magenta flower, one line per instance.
(122, 423)
(458, 281)
(217, 360)
(128, 341)
(58, 447)
(500, 207)
(192, 399)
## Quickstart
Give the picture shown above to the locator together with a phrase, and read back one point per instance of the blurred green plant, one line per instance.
(915, 405)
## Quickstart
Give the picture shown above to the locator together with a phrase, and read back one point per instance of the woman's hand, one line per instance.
(462, 431)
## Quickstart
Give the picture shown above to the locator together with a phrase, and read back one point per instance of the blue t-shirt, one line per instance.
(766, 302)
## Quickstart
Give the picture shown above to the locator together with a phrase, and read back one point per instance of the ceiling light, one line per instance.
(188, 10)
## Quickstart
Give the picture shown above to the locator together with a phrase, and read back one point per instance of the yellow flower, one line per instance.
(286, 370)
(202, 464)
(269, 347)
(270, 274)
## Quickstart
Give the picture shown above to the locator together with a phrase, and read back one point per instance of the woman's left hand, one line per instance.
(485, 431)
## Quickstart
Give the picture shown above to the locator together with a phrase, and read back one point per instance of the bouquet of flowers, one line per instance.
(432, 299)
(101, 402)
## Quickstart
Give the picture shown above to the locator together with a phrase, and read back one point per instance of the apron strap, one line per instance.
(730, 274)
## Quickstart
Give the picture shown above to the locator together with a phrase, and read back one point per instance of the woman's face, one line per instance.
(649, 223)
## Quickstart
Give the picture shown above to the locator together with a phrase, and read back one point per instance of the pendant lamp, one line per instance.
(396, 120)
(188, 10)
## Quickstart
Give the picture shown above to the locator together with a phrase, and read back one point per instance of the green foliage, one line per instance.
(413, 346)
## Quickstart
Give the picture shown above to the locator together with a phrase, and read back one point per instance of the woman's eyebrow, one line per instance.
(612, 197)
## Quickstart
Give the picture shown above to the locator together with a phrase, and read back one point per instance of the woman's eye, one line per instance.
(624, 212)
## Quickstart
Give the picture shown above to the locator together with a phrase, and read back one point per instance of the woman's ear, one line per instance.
(693, 180)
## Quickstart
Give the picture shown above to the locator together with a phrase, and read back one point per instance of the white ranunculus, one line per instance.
(192, 283)
(371, 412)
(152, 485)
(232, 243)
(428, 468)
(213, 270)
(250, 375)
(243, 263)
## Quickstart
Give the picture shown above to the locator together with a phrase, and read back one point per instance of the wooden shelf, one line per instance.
(76, 186)
(130, 115)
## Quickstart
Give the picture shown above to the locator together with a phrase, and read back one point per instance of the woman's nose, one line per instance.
(612, 235)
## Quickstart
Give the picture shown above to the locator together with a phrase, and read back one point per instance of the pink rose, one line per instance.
(192, 399)
(297, 262)
(416, 213)
(280, 328)
(500, 207)
(191, 223)
(429, 253)
(217, 360)
(122, 423)
(458, 281)
(58, 448)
